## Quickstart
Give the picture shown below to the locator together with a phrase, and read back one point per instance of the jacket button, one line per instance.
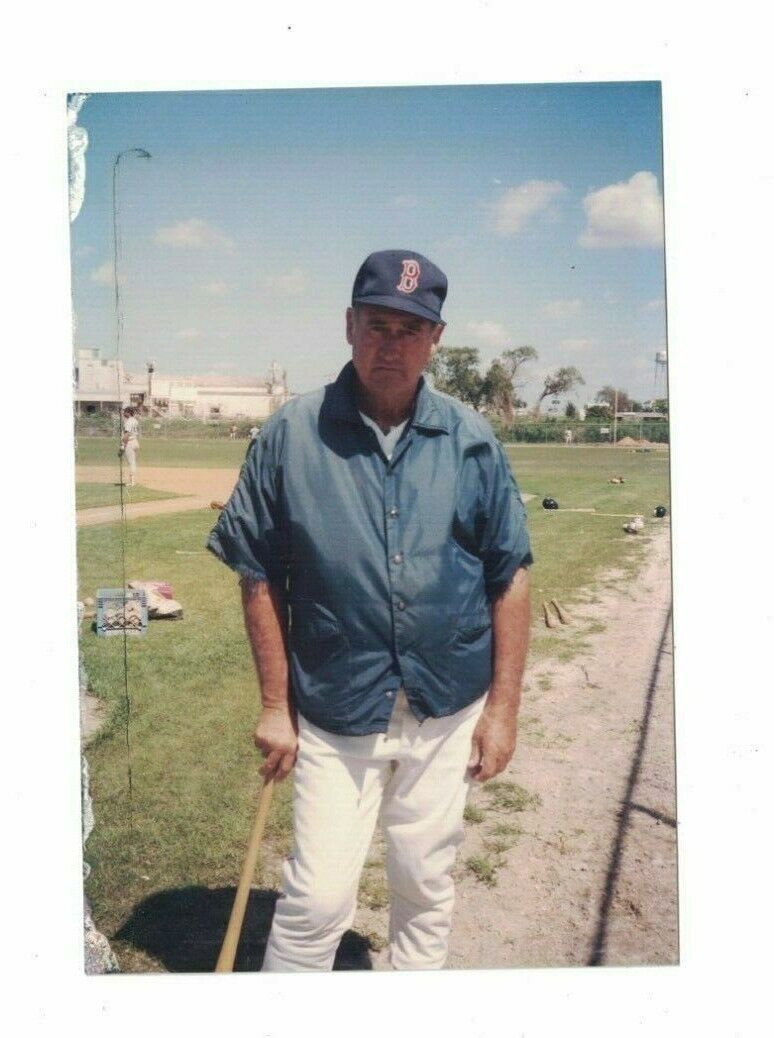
(400, 604)
(398, 558)
(393, 513)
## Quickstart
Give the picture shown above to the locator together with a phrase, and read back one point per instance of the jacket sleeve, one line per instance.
(504, 545)
(250, 535)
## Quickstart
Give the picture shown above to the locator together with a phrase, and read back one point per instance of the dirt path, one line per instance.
(591, 876)
(200, 487)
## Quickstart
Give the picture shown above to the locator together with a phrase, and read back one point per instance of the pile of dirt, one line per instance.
(629, 441)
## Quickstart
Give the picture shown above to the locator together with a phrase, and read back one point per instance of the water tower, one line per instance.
(660, 375)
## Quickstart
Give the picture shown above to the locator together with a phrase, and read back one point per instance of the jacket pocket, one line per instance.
(319, 648)
(471, 627)
(471, 654)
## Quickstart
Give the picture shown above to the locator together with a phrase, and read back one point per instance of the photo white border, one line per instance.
(717, 97)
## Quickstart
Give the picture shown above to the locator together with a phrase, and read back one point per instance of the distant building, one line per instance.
(98, 383)
(640, 416)
(104, 385)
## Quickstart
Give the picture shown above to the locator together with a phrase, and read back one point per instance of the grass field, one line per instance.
(572, 548)
(194, 698)
(203, 454)
(97, 495)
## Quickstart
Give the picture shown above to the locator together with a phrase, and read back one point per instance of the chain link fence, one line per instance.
(525, 431)
(109, 425)
(555, 431)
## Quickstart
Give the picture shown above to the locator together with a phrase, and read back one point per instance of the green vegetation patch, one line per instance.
(373, 891)
(98, 495)
(510, 796)
(194, 702)
(160, 453)
(574, 549)
(473, 814)
(484, 867)
(506, 830)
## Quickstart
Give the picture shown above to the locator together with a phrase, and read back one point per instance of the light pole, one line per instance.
(615, 419)
(151, 366)
(140, 153)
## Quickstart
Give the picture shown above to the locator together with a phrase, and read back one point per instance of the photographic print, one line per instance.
(371, 421)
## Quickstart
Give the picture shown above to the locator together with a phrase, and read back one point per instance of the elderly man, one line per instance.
(381, 543)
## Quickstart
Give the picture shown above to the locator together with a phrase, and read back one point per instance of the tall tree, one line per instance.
(455, 371)
(570, 411)
(557, 383)
(513, 361)
(497, 392)
(598, 412)
(606, 395)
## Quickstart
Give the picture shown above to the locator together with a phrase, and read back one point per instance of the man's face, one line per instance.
(390, 349)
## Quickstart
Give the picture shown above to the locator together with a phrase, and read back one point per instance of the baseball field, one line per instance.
(178, 713)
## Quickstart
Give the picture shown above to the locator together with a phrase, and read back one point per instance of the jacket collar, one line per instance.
(341, 402)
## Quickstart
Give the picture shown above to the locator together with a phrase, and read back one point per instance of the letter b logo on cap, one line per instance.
(409, 279)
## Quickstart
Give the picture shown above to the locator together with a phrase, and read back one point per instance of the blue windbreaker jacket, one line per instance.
(390, 567)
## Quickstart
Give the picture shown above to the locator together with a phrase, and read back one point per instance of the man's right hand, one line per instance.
(276, 736)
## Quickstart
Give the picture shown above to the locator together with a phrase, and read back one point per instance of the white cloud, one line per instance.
(103, 275)
(291, 283)
(215, 288)
(561, 308)
(193, 234)
(624, 214)
(405, 201)
(519, 204)
(490, 332)
(188, 333)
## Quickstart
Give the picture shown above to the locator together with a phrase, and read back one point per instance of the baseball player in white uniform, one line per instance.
(130, 441)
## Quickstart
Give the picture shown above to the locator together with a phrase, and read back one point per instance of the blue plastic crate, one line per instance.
(120, 610)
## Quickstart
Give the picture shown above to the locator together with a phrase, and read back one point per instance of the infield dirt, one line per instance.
(197, 486)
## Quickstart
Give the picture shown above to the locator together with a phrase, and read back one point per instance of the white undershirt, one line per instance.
(388, 440)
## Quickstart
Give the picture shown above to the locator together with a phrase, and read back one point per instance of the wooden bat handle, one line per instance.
(228, 952)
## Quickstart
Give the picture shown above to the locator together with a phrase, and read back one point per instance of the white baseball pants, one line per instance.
(416, 776)
(130, 456)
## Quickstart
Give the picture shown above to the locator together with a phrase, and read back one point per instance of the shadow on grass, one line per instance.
(183, 929)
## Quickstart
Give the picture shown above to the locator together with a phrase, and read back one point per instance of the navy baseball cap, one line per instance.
(401, 280)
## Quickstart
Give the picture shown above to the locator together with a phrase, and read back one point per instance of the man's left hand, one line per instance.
(493, 743)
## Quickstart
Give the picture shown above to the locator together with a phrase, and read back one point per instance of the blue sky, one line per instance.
(242, 234)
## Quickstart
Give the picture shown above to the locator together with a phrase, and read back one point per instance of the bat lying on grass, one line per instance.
(560, 612)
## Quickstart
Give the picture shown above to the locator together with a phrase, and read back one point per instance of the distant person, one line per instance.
(568, 437)
(233, 433)
(130, 441)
